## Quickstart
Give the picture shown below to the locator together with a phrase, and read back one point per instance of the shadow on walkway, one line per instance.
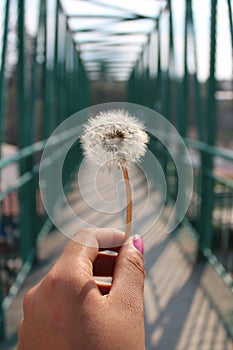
(178, 311)
(179, 314)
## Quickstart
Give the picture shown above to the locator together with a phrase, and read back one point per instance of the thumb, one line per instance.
(129, 274)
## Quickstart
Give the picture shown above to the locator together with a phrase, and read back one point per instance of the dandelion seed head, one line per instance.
(114, 138)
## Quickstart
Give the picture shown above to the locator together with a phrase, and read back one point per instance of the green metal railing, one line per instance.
(49, 84)
(211, 209)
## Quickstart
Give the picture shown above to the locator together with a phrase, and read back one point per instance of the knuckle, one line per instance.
(53, 283)
(20, 335)
(20, 327)
(28, 301)
(135, 262)
(52, 280)
(80, 235)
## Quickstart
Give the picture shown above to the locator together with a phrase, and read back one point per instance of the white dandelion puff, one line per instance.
(115, 139)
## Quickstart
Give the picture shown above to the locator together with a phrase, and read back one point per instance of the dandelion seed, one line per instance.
(115, 139)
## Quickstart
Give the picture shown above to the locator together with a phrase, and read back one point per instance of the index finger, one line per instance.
(87, 242)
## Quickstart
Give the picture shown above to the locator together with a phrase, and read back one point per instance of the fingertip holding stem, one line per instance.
(138, 243)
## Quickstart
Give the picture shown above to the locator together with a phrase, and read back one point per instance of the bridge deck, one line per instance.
(186, 304)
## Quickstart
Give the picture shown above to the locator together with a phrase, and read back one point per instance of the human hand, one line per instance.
(69, 310)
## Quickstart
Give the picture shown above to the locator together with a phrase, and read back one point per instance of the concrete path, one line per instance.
(186, 304)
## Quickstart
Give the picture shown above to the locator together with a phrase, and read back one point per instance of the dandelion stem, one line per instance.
(129, 201)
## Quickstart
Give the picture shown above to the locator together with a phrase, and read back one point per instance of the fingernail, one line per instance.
(138, 243)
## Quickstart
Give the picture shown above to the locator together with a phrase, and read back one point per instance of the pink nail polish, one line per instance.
(138, 243)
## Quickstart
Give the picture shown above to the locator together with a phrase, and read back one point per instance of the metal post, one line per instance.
(182, 110)
(207, 192)
(56, 68)
(197, 88)
(63, 71)
(2, 113)
(26, 193)
(2, 72)
(46, 117)
(230, 22)
(170, 65)
(159, 73)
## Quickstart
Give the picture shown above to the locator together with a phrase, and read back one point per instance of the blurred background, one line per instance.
(60, 56)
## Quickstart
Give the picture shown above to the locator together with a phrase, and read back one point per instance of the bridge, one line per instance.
(175, 57)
